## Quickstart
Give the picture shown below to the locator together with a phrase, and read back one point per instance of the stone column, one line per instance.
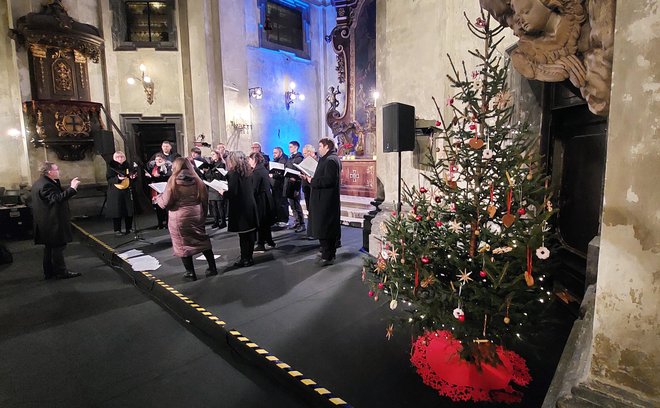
(625, 353)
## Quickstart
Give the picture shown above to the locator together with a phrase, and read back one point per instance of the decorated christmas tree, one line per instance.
(464, 259)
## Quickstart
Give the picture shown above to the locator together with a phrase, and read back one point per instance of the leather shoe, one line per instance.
(68, 275)
(209, 272)
(259, 249)
(326, 262)
(301, 228)
(243, 262)
(190, 275)
(271, 244)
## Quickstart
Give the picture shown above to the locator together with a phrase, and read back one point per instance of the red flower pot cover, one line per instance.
(437, 358)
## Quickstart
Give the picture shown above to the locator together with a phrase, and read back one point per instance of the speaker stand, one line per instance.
(398, 169)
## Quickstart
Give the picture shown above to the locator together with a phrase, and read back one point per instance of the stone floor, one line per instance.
(109, 339)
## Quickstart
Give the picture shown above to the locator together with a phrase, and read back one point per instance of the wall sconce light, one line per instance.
(147, 83)
(256, 92)
(291, 95)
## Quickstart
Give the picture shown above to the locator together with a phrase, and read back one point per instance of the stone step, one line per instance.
(353, 210)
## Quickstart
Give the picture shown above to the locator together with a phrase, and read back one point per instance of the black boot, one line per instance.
(212, 270)
(190, 275)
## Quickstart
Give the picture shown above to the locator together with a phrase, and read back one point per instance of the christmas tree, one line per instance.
(466, 256)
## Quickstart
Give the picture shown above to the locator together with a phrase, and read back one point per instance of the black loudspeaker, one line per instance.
(104, 142)
(398, 127)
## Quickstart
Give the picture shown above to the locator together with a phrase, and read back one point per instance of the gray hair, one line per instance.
(45, 168)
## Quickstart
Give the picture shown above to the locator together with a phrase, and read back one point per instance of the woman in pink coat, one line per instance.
(186, 199)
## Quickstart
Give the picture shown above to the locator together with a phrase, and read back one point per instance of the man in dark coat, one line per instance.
(256, 148)
(166, 151)
(292, 186)
(325, 200)
(52, 228)
(277, 177)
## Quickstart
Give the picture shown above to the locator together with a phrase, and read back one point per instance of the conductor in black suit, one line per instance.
(52, 228)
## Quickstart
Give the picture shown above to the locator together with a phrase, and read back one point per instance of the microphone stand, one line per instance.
(136, 232)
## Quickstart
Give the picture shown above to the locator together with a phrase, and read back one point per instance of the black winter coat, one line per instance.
(263, 195)
(292, 184)
(119, 202)
(242, 207)
(50, 209)
(214, 174)
(325, 200)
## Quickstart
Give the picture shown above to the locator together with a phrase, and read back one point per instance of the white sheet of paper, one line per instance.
(144, 263)
(275, 166)
(198, 163)
(203, 258)
(307, 166)
(291, 171)
(218, 185)
(131, 253)
(159, 187)
(222, 171)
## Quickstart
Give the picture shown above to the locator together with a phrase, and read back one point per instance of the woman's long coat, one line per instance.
(325, 200)
(214, 174)
(50, 209)
(242, 206)
(119, 202)
(187, 214)
(263, 195)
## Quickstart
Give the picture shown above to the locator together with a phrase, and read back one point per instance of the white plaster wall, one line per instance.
(412, 40)
(626, 348)
(199, 31)
(13, 154)
(164, 68)
(245, 65)
(238, 24)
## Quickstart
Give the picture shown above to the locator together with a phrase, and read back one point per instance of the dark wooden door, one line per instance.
(575, 142)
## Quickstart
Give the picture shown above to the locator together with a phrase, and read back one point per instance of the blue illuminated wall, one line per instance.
(272, 124)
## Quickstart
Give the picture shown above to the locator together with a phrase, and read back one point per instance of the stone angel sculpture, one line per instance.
(562, 39)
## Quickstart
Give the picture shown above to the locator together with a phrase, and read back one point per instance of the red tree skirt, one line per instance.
(436, 356)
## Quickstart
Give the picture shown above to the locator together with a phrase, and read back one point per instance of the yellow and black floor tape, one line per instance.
(197, 315)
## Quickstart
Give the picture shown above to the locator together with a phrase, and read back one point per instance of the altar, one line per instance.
(358, 177)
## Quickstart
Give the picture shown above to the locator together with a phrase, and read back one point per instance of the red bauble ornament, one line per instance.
(482, 273)
(394, 213)
(423, 190)
(473, 126)
(425, 260)
(438, 224)
(438, 123)
(438, 199)
(371, 293)
(521, 211)
(418, 218)
(461, 318)
(380, 285)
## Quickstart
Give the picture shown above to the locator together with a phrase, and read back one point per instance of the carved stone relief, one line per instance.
(562, 40)
(351, 113)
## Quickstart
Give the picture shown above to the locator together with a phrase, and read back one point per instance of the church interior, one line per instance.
(83, 79)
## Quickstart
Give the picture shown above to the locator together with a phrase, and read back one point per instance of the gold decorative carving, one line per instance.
(72, 123)
(62, 78)
(41, 131)
(561, 39)
(79, 58)
(38, 50)
(59, 53)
